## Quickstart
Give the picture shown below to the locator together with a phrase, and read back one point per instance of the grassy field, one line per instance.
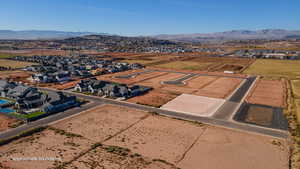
(184, 65)
(5, 55)
(275, 68)
(14, 64)
(296, 88)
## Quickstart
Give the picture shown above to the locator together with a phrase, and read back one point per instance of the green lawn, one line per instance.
(28, 116)
(275, 68)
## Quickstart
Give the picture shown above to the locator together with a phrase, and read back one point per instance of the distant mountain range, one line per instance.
(38, 34)
(267, 34)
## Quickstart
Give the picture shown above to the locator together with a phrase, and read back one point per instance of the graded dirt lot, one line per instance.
(101, 122)
(220, 88)
(6, 122)
(184, 65)
(15, 75)
(111, 157)
(157, 81)
(268, 92)
(135, 79)
(159, 137)
(219, 148)
(155, 98)
(196, 105)
(259, 115)
(46, 144)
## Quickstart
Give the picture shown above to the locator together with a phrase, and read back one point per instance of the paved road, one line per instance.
(133, 74)
(240, 93)
(180, 80)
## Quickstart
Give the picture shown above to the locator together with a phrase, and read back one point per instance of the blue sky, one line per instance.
(149, 17)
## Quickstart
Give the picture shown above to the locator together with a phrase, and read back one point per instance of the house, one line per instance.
(96, 85)
(5, 86)
(57, 101)
(63, 77)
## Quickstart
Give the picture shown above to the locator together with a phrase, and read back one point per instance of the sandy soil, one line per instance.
(155, 98)
(47, 144)
(101, 158)
(268, 92)
(138, 78)
(196, 105)
(159, 137)
(221, 88)
(6, 122)
(259, 115)
(221, 148)
(157, 82)
(101, 122)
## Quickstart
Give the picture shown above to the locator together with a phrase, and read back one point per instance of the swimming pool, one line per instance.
(3, 101)
(6, 110)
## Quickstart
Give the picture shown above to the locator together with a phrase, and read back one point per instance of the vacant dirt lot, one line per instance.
(185, 65)
(116, 157)
(135, 79)
(157, 81)
(47, 144)
(6, 122)
(259, 115)
(268, 92)
(219, 148)
(220, 88)
(155, 98)
(159, 137)
(101, 122)
(14, 64)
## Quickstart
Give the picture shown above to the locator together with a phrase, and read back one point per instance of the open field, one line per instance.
(275, 68)
(15, 75)
(296, 88)
(14, 64)
(185, 65)
(116, 157)
(268, 92)
(219, 148)
(6, 122)
(138, 78)
(221, 88)
(203, 63)
(154, 98)
(5, 55)
(157, 81)
(101, 122)
(49, 143)
(116, 137)
(159, 137)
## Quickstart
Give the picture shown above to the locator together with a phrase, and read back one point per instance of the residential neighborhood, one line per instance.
(24, 102)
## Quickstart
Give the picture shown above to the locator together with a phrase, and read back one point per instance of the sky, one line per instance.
(149, 17)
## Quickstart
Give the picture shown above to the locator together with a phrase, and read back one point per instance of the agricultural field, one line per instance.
(14, 64)
(212, 64)
(275, 68)
(185, 65)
